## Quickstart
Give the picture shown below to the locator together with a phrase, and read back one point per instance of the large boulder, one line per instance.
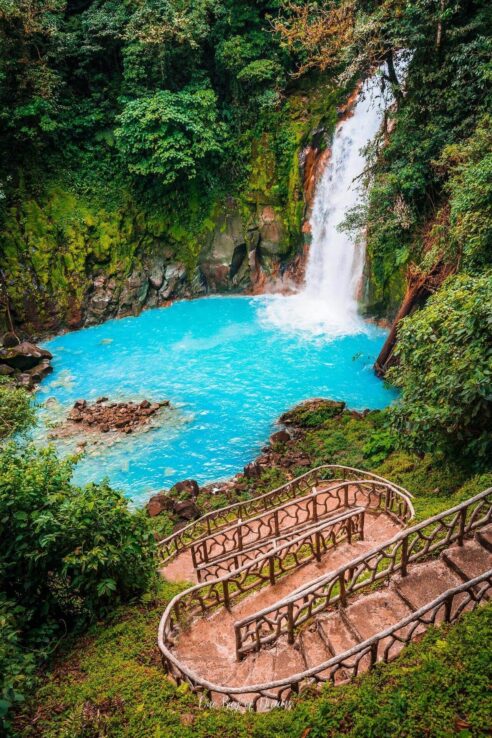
(271, 230)
(186, 510)
(159, 503)
(23, 356)
(281, 436)
(223, 257)
(133, 293)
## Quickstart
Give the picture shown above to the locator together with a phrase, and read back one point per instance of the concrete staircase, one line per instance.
(286, 620)
(208, 648)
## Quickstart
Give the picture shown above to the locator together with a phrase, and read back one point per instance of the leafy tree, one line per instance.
(170, 135)
(445, 370)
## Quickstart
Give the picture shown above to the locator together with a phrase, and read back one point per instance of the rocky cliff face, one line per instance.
(71, 262)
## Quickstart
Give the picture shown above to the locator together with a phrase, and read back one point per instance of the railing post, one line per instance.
(345, 495)
(447, 609)
(343, 596)
(271, 569)
(374, 653)
(348, 524)
(237, 633)
(404, 556)
(317, 545)
(361, 525)
(208, 526)
(275, 523)
(290, 622)
(225, 587)
(461, 534)
(315, 505)
(193, 557)
(239, 535)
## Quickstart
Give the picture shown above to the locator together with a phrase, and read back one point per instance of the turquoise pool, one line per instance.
(227, 372)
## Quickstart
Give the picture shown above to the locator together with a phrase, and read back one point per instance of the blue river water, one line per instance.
(227, 373)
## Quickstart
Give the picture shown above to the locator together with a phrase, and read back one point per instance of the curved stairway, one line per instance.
(333, 616)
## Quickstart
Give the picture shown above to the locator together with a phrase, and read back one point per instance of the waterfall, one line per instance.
(327, 304)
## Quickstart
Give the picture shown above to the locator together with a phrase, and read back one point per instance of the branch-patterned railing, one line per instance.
(299, 487)
(316, 537)
(429, 537)
(264, 570)
(317, 505)
(384, 646)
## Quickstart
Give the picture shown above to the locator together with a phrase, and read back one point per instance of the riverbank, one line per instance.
(110, 682)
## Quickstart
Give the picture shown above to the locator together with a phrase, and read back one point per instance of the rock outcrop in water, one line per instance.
(104, 416)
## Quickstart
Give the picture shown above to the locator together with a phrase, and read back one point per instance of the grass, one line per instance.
(110, 682)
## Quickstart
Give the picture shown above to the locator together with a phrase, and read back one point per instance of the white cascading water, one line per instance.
(327, 304)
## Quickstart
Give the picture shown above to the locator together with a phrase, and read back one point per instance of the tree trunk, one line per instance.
(392, 76)
(419, 287)
(385, 358)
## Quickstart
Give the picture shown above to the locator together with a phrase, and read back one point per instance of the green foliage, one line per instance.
(170, 135)
(424, 162)
(445, 370)
(68, 556)
(16, 411)
(68, 551)
(17, 665)
(469, 170)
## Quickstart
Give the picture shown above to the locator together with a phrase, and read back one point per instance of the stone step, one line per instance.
(337, 632)
(484, 537)
(375, 612)
(314, 647)
(379, 527)
(469, 560)
(425, 582)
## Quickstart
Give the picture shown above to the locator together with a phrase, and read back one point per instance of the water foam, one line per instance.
(327, 304)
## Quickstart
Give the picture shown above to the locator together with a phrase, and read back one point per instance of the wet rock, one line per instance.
(186, 510)
(114, 416)
(281, 436)
(271, 232)
(133, 293)
(187, 486)
(252, 470)
(23, 356)
(226, 250)
(6, 371)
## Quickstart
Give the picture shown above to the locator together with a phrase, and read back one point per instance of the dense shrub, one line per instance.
(16, 410)
(170, 134)
(68, 556)
(445, 370)
(68, 552)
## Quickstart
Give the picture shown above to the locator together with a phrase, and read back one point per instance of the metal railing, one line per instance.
(429, 537)
(299, 487)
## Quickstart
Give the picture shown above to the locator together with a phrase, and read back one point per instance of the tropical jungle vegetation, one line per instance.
(123, 121)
